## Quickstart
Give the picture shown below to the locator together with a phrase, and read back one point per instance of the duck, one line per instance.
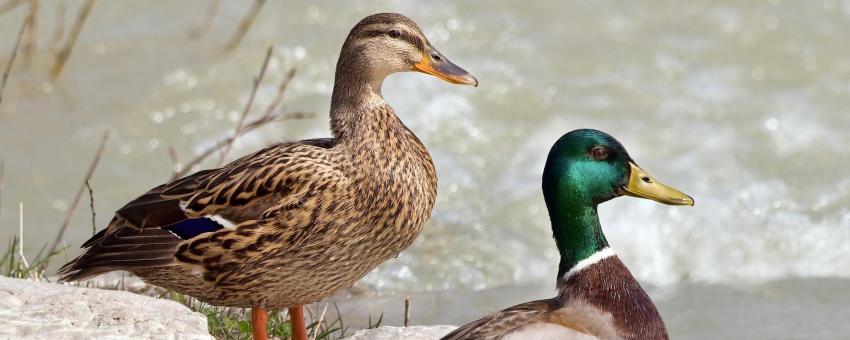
(297, 221)
(598, 298)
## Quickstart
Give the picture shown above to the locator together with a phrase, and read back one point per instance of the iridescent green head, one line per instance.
(585, 168)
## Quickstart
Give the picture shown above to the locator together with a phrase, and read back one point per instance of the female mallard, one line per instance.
(294, 222)
(597, 296)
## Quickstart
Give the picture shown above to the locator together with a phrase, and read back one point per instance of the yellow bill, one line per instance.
(643, 185)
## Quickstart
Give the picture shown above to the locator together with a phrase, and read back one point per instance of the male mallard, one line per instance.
(597, 296)
(294, 222)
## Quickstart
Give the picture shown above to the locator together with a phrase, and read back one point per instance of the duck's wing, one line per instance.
(503, 322)
(147, 231)
(228, 255)
(530, 320)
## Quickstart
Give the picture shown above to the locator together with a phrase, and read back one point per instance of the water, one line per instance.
(742, 105)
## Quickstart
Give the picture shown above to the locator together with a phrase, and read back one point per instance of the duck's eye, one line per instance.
(394, 33)
(599, 153)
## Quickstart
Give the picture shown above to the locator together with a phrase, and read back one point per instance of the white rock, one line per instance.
(406, 333)
(38, 310)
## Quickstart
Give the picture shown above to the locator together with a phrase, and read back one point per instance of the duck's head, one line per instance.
(386, 43)
(591, 167)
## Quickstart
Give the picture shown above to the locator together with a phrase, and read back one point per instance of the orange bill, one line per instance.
(437, 65)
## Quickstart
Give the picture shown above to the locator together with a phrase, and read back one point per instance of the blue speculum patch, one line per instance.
(193, 227)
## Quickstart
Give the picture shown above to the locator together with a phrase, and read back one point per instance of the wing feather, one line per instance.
(502, 323)
(126, 248)
(246, 191)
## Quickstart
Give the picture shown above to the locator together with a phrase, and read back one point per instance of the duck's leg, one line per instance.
(299, 328)
(259, 319)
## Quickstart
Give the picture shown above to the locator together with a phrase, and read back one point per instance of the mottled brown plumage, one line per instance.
(310, 217)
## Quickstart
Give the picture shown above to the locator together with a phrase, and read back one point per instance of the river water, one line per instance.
(743, 105)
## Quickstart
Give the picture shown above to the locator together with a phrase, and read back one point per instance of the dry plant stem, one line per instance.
(251, 126)
(79, 194)
(406, 311)
(245, 25)
(91, 206)
(59, 29)
(29, 44)
(280, 90)
(2, 175)
(21, 235)
(65, 52)
(269, 116)
(11, 61)
(212, 9)
(10, 5)
(175, 163)
(247, 110)
(318, 327)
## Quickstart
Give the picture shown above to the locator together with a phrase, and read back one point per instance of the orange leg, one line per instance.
(299, 328)
(259, 319)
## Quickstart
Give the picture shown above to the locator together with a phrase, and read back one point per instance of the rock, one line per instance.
(40, 310)
(402, 333)
(118, 280)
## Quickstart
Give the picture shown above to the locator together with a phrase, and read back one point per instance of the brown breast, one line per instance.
(609, 287)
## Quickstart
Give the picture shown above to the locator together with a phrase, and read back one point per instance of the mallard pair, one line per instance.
(295, 222)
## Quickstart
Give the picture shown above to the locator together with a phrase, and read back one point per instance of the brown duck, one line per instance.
(295, 222)
(598, 298)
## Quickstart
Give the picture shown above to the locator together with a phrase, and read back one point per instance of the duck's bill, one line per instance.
(437, 65)
(643, 185)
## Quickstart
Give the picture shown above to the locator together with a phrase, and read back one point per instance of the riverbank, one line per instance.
(43, 310)
(787, 309)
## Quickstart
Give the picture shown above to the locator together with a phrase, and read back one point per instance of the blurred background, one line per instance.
(743, 105)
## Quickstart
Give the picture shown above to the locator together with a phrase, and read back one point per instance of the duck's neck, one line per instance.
(356, 101)
(579, 238)
(575, 225)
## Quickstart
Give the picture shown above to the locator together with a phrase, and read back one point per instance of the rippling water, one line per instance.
(743, 105)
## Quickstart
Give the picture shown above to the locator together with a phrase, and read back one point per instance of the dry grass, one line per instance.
(2, 184)
(8, 70)
(241, 124)
(59, 235)
(28, 46)
(245, 25)
(209, 15)
(270, 115)
(65, 52)
(235, 323)
(58, 28)
(91, 206)
(10, 5)
(13, 263)
(252, 125)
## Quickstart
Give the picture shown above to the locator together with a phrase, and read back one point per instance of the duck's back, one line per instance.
(308, 218)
